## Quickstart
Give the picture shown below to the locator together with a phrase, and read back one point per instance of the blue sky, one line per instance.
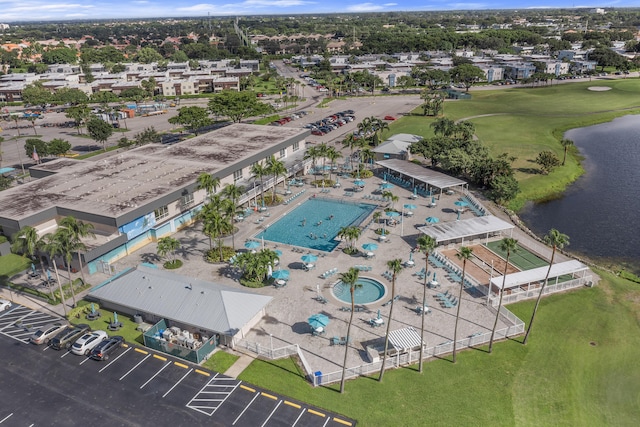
(31, 10)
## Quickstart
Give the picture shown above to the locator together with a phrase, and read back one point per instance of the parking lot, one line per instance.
(42, 386)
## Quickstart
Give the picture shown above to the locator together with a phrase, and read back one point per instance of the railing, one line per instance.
(534, 292)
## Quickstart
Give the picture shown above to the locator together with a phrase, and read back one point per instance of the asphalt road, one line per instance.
(40, 386)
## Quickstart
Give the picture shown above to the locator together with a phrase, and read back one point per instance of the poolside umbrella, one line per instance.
(33, 268)
(269, 271)
(461, 203)
(384, 178)
(410, 256)
(415, 191)
(48, 274)
(432, 220)
(386, 186)
(309, 258)
(379, 316)
(263, 202)
(433, 199)
(318, 321)
(434, 276)
(280, 274)
(359, 182)
(392, 214)
(382, 232)
(115, 317)
(278, 252)
(410, 207)
(457, 219)
(93, 308)
(252, 244)
(369, 246)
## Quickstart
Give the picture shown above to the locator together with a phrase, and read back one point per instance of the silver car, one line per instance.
(46, 333)
(87, 342)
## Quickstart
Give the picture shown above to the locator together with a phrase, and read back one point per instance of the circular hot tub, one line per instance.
(369, 292)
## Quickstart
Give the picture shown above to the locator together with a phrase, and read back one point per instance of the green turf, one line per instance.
(12, 264)
(525, 121)
(521, 258)
(220, 361)
(557, 379)
(128, 330)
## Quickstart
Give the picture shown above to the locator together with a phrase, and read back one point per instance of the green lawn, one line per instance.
(559, 378)
(128, 330)
(220, 361)
(525, 121)
(12, 264)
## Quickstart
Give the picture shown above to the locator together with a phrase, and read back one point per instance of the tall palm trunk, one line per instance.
(544, 285)
(346, 346)
(73, 293)
(81, 269)
(495, 322)
(64, 302)
(424, 299)
(455, 331)
(386, 338)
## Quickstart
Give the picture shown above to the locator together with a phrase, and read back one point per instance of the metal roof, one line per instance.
(453, 230)
(183, 299)
(422, 174)
(538, 274)
(405, 339)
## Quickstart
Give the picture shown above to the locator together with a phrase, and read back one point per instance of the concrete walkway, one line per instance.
(236, 369)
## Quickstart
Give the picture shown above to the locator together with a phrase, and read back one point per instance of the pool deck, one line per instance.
(286, 320)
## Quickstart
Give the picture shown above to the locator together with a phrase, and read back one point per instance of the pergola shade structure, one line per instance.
(420, 175)
(536, 276)
(482, 226)
(405, 339)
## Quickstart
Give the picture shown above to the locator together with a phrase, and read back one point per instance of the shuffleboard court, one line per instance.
(521, 257)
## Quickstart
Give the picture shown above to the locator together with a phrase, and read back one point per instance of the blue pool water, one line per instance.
(371, 291)
(316, 223)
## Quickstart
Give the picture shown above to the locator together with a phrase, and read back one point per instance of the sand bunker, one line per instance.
(599, 88)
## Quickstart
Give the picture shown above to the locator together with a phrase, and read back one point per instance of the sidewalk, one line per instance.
(236, 369)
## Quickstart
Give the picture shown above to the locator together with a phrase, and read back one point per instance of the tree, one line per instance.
(351, 234)
(427, 244)
(60, 55)
(100, 131)
(37, 94)
(350, 278)
(233, 193)
(395, 266)
(332, 155)
(147, 55)
(71, 96)
(208, 182)
(149, 86)
(147, 136)
(192, 118)
(79, 114)
(104, 98)
(507, 245)
(504, 188)
(63, 243)
(77, 230)
(237, 105)
(547, 161)
(32, 145)
(566, 143)
(465, 255)
(25, 241)
(557, 240)
(259, 170)
(58, 147)
(168, 245)
(275, 168)
(466, 74)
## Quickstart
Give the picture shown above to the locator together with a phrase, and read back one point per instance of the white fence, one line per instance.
(401, 359)
(534, 292)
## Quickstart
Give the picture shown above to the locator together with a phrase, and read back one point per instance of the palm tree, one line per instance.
(349, 278)
(557, 240)
(351, 234)
(427, 245)
(312, 153)
(208, 182)
(229, 209)
(507, 245)
(566, 143)
(392, 197)
(351, 143)
(465, 255)
(25, 241)
(52, 248)
(332, 154)
(259, 170)
(275, 168)
(168, 245)
(395, 265)
(78, 230)
(62, 243)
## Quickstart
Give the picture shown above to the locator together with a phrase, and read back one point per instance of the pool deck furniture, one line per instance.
(376, 322)
(420, 308)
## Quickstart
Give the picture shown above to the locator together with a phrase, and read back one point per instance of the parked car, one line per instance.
(390, 118)
(106, 347)
(66, 338)
(5, 305)
(87, 342)
(46, 333)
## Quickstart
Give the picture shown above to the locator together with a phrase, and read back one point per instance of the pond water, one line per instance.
(601, 211)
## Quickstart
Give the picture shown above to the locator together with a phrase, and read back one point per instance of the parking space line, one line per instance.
(326, 422)
(86, 358)
(6, 418)
(66, 353)
(244, 410)
(138, 364)
(46, 347)
(154, 375)
(119, 356)
(271, 414)
(299, 416)
(179, 381)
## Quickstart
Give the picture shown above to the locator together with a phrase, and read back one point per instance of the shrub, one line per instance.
(251, 283)
(213, 255)
(172, 265)
(3, 239)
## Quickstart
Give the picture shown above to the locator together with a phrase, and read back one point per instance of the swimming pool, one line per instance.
(315, 223)
(370, 291)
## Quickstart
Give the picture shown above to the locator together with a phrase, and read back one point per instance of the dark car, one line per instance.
(106, 347)
(66, 338)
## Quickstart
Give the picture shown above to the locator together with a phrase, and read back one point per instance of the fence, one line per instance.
(534, 292)
(320, 378)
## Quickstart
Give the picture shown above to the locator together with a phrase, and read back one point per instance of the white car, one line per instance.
(5, 305)
(87, 342)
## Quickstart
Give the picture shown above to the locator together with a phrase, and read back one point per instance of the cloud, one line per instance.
(390, 4)
(365, 7)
